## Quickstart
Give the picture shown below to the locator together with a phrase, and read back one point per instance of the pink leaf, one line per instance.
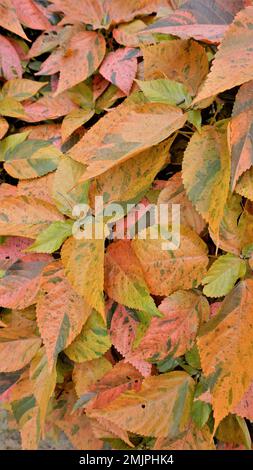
(120, 68)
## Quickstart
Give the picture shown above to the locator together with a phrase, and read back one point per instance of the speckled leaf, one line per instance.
(241, 133)
(174, 193)
(130, 178)
(9, 60)
(236, 227)
(26, 216)
(86, 374)
(31, 159)
(92, 342)
(124, 281)
(66, 191)
(122, 377)
(83, 54)
(133, 127)
(16, 349)
(233, 63)
(9, 18)
(61, 312)
(166, 271)
(206, 172)
(174, 333)
(20, 283)
(43, 382)
(103, 13)
(73, 120)
(48, 107)
(162, 406)
(181, 60)
(83, 261)
(191, 439)
(21, 88)
(223, 342)
(120, 68)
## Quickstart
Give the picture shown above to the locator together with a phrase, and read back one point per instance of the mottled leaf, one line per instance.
(61, 312)
(206, 173)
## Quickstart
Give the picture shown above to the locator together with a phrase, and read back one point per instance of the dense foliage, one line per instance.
(121, 343)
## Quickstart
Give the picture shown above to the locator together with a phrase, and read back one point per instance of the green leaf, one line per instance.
(92, 342)
(223, 275)
(51, 239)
(233, 429)
(10, 142)
(200, 412)
(166, 91)
(192, 357)
(195, 118)
(31, 159)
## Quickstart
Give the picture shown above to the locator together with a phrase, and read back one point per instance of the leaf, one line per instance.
(244, 186)
(206, 173)
(10, 142)
(48, 107)
(92, 342)
(86, 374)
(12, 108)
(241, 133)
(16, 349)
(26, 216)
(200, 413)
(212, 34)
(142, 412)
(222, 275)
(43, 383)
(167, 271)
(51, 239)
(166, 91)
(120, 68)
(122, 133)
(9, 19)
(235, 228)
(174, 193)
(61, 312)
(122, 377)
(130, 178)
(227, 72)
(31, 159)
(73, 120)
(174, 333)
(21, 88)
(83, 261)
(76, 426)
(38, 188)
(245, 406)
(102, 14)
(9, 60)
(31, 15)
(20, 284)
(233, 429)
(127, 326)
(224, 340)
(181, 61)
(124, 280)
(66, 191)
(4, 126)
(126, 34)
(191, 439)
(74, 64)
